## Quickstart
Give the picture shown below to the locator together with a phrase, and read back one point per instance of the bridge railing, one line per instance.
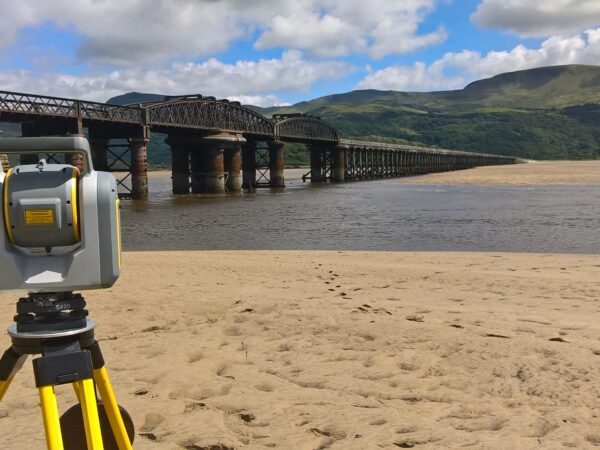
(20, 103)
(414, 148)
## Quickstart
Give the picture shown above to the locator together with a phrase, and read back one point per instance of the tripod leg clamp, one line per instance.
(52, 370)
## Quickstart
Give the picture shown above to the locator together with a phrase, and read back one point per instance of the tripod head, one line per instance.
(50, 311)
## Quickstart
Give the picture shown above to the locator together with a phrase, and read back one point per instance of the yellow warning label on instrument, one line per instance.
(39, 217)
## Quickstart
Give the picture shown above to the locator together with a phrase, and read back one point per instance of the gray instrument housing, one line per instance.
(92, 263)
(43, 188)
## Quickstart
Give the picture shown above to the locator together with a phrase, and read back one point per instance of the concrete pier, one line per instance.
(233, 165)
(220, 164)
(249, 166)
(316, 165)
(276, 164)
(180, 164)
(139, 168)
(338, 164)
(207, 169)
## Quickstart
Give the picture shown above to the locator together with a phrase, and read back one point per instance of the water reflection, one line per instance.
(374, 215)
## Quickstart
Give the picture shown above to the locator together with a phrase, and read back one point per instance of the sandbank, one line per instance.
(343, 350)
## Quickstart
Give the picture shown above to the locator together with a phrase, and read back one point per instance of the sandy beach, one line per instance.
(348, 350)
(306, 350)
(531, 172)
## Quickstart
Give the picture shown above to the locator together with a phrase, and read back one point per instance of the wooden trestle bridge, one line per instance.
(218, 145)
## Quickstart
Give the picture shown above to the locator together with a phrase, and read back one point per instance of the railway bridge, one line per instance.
(218, 145)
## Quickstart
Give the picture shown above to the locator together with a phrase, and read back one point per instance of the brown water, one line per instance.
(371, 215)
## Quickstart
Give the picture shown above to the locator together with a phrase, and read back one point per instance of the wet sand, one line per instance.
(344, 350)
(532, 172)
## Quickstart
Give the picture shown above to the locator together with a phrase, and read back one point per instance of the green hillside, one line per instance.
(543, 113)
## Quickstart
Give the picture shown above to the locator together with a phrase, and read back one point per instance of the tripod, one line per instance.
(56, 327)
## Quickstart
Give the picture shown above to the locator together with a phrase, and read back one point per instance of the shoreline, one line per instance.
(352, 350)
(528, 173)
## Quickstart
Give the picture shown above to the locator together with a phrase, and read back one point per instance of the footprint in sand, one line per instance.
(415, 318)
(151, 421)
(265, 387)
(376, 422)
(195, 357)
(194, 406)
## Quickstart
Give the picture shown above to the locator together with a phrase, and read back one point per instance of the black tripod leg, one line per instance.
(10, 363)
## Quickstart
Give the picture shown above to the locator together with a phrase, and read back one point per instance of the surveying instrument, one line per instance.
(60, 233)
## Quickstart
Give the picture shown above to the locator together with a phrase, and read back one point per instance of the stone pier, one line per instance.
(316, 165)
(276, 164)
(139, 167)
(249, 166)
(180, 163)
(338, 164)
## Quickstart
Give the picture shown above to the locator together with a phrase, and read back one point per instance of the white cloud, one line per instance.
(455, 69)
(122, 32)
(538, 18)
(247, 81)
(127, 32)
(342, 27)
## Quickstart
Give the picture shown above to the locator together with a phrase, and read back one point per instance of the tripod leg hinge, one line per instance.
(52, 370)
(10, 363)
(97, 358)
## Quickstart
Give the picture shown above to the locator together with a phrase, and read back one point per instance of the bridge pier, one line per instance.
(207, 170)
(180, 163)
(216, 167)
(316, 164)
(249, 166)
(338, 164)
(139, 167)
(276, 164)
(233, 164)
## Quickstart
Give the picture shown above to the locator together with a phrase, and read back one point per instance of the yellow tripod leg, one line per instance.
(89, 409)
(112, 408)
(78, 388)
(51, 420)
(4, 387)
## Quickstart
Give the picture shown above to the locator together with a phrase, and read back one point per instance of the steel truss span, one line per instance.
(210, 139)
(304, 128)
(15, 103)
(207, 113)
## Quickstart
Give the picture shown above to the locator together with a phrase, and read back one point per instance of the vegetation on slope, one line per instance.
(544, 113)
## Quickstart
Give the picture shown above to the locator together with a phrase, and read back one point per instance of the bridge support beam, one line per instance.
(249, 166)
(338, 164)
(276, 163)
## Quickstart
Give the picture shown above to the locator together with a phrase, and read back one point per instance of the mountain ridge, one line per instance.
(542, 113)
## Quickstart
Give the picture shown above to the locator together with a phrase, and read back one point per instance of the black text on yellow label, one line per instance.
(39, 217)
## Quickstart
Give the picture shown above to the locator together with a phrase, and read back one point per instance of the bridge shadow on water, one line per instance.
(375, 215)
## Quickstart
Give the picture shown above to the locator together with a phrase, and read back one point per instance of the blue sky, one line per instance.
(283, 51)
